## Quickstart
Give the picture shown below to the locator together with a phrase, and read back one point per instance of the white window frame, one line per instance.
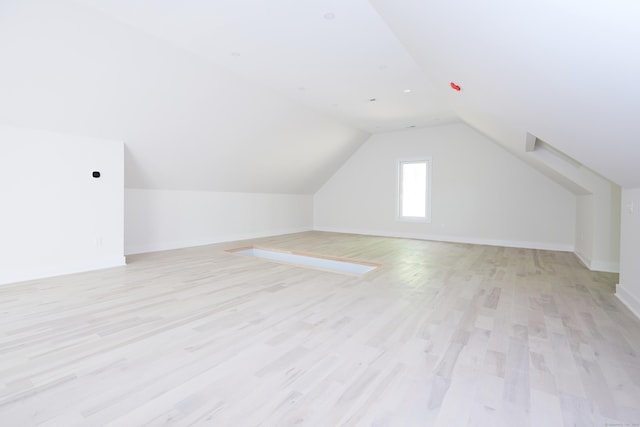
(399, 215)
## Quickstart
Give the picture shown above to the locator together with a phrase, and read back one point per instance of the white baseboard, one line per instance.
(628, 299)
(209, 240)
(41, 272)
(454, 239)
(605, 266)
(583, 259)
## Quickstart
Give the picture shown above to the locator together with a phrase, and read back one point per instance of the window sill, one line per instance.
(413, 219)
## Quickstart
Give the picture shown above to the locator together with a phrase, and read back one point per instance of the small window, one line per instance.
(414, 190)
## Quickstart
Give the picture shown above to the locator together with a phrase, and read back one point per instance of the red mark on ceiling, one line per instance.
(455, 87)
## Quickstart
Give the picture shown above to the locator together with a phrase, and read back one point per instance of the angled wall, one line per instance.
(480, 192)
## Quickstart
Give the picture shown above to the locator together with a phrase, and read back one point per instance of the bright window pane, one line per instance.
(414, 189)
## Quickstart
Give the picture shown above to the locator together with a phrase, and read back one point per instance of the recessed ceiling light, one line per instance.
(407, 91)
(329, 16)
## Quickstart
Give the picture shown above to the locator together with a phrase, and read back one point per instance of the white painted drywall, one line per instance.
(584, 227)
(606, 225)
(188, 123)
(542, 67)
(165, 219)
(598, 228)
(480, 192)
(597, 210)
(55, 217)
(629, 288)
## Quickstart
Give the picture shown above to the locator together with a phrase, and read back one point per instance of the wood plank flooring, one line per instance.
(441, 335)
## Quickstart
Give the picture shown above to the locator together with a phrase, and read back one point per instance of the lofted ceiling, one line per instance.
(564, 71)
(286, 90)
(335, 56)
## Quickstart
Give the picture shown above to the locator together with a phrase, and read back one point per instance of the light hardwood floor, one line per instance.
(443, 334)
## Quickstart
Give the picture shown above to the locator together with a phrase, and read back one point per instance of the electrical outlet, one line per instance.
(629, 206)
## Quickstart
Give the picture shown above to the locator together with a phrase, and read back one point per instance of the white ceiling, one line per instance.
(163, 76)
(188, 124)
(565, 71)
(331, 55)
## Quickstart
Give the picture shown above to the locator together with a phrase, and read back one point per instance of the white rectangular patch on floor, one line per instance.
(338, 265)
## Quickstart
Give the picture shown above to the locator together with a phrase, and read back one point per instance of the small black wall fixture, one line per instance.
(96, 174)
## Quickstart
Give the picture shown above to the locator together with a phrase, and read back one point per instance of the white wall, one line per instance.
(597, 214)
(584, 227)
(606, 224)
(55, 217)
(598, 228)
(480, 192)
(164, 219)
(629, 288)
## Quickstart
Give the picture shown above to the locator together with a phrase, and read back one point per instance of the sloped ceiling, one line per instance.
(272, 96)
(188, 124)
(564, 71)
(333, 55)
